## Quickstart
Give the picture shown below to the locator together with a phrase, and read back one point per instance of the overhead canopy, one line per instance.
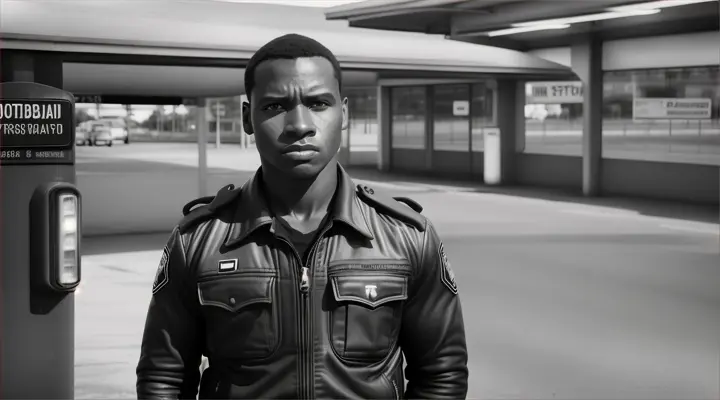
(471, 20)
(180, 81)
(214, 34)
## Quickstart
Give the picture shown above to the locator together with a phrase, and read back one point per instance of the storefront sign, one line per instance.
(667, 108)
(36, 131)
(461, 108)
(554, 92)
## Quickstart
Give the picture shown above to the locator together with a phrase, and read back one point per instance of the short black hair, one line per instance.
(289, 47)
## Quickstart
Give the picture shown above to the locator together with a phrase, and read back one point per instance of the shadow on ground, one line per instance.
(97, 245)
(154, 241)
(649, 207)
(121, 165)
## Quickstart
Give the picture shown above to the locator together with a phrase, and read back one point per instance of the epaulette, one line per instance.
(209, 205)
(402, 208)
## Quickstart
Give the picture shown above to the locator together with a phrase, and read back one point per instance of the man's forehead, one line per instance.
(308, 72)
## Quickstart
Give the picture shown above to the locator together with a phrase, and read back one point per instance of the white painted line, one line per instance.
(605, 214)
(715, 231)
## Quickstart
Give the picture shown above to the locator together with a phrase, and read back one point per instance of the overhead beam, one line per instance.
(419, 10)
(506, 14)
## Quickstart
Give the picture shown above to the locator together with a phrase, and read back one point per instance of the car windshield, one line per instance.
(114, 123)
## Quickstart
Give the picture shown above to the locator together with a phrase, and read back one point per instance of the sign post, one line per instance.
(219, 113)
(40, 265)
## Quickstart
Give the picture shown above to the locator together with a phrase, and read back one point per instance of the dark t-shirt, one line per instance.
(301, 241)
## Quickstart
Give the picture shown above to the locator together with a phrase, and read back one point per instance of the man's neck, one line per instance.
(301, 199)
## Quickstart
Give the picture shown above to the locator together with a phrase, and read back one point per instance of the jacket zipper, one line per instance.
(305, 316)
(397, 391)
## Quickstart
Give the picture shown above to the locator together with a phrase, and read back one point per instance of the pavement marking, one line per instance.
(606, 214)
(714, 231)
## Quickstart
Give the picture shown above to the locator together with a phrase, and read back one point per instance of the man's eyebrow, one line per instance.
(312, 93)
(319, 92)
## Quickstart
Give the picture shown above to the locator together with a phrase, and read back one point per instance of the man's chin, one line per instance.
(305, 170)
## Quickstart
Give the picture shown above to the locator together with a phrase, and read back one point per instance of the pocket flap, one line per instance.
(372, 290)
(233, 292)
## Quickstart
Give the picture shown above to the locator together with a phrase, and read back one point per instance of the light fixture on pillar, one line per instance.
(524, 29)
(563, 23)
(658, 5)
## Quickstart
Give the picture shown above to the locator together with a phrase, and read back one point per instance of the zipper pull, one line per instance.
(305, 283)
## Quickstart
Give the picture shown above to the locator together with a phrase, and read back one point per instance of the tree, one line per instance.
(81, 116)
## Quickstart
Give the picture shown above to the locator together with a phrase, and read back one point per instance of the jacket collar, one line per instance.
(252, 211)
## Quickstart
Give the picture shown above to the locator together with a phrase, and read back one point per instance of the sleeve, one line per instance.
(433, 332)
(170, 355)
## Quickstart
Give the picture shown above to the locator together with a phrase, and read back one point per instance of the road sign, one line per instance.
(218, 110)
(461, 108)
(36, 131)
(554, 92)
(668, 108)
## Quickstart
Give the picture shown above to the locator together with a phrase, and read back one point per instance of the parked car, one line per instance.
(82, 134)
(100, 132)
(103, 131)
(118, 130)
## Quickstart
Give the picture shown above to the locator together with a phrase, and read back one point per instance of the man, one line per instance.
(300, 285)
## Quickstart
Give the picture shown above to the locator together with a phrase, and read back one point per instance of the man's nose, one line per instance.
(298, 122)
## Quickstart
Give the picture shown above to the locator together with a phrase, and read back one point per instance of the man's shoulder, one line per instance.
(205, 209)
(399, 210)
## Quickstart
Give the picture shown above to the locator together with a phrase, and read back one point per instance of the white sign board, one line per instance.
(492, 168)
(219, 109)
(461, 108)
(667, 108)
(554, 92)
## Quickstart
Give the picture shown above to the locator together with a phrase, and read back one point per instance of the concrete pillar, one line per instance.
(586, 59)
(31, 66)
(37, 331)
(510, 122)
(202, 132)
(429, 126)
(384, 119)
(344, 150)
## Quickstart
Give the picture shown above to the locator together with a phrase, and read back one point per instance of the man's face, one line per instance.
(296, 114)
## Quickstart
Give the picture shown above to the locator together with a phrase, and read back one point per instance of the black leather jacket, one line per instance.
(377, 285)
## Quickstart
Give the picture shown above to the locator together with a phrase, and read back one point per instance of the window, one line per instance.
(482, 112)
(362, 105)
(553, 118)
(363, 124)
(636, 125)
(408, 117)
(451, 113)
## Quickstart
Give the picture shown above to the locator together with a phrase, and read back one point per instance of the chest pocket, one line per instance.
(366, 307)
(241, 314)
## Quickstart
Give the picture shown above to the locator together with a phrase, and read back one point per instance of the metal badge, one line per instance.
(371, 291)
(447, 276)
(162, 277)
(227, 265)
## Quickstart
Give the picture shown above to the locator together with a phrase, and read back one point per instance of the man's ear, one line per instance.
(345, 114)
(247, 121)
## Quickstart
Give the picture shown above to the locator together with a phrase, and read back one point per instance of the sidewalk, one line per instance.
(658, 208)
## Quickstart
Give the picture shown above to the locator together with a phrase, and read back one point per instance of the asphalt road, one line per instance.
(563, 299)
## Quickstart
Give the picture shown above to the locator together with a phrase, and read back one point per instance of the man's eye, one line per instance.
(273, 107)
(319, 105)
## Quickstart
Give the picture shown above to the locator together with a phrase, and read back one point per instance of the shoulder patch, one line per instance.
(210, 204)
(162, 277)
(410, 203)
(388, 205)
(447, 276)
